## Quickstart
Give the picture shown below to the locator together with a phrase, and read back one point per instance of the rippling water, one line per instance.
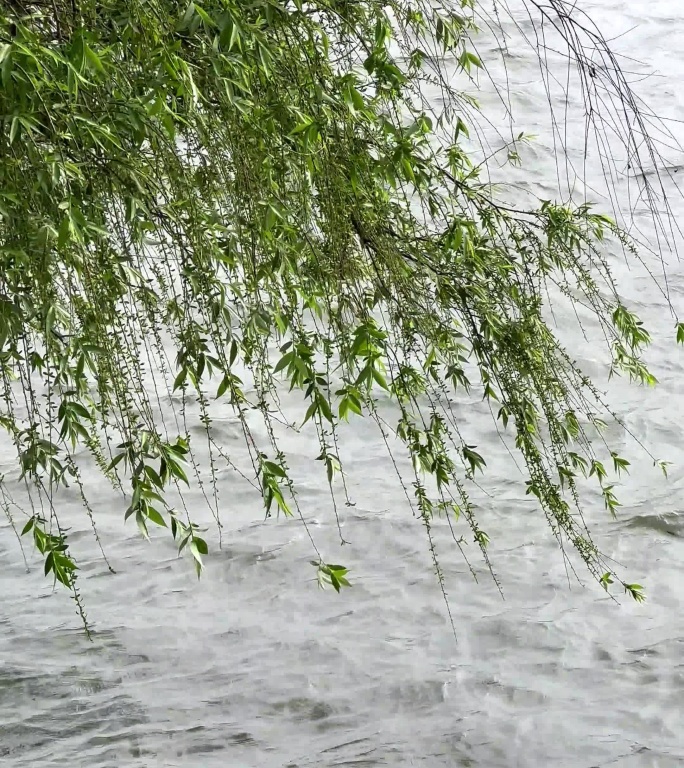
(254, 666)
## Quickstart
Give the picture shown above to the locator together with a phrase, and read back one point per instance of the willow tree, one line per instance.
(235, 197)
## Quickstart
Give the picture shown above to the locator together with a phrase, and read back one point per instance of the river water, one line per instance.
(254, 667)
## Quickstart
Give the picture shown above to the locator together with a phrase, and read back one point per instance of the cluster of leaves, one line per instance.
(231, 178)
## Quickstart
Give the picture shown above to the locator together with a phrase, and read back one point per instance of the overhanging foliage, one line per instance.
(262, 188)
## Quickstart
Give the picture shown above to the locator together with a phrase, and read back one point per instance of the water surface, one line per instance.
(255, 667)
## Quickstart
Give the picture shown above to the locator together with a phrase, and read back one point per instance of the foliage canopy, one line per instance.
(239, 196)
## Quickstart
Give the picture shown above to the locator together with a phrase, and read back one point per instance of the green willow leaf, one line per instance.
(261, 200)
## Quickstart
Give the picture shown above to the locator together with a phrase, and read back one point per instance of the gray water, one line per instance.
(254, 666)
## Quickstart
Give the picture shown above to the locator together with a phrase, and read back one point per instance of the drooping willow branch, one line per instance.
(220, 198)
